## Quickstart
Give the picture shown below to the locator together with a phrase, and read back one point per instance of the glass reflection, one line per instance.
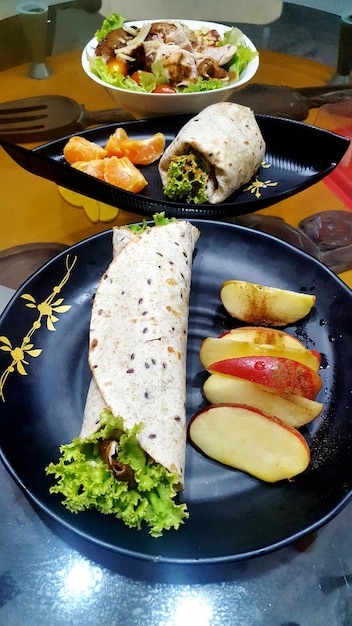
(192, 610)
(79, 580)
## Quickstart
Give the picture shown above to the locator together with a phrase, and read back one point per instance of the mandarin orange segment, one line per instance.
(113, 146)
(95, 168)
(144, 151)
(123, 174)
(80, 149)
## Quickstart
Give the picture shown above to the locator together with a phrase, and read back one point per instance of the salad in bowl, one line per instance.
(198, 63)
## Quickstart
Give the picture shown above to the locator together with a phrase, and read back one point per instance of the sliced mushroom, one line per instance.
(108, 450)
(209, 68)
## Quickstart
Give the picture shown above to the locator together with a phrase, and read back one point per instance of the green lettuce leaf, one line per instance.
(99, 68)
(233, 36)
(159, 220)
(111, 22)
(149, 80)
(244, 53)
(161, 77)
(187, 179)
(203, 84)
(85, 481)
(240, 60)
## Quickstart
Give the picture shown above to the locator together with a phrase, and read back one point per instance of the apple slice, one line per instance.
(296, 411)
(217, 349)
(266, 306)
(264, 336)
(277, 372)
(249, 440)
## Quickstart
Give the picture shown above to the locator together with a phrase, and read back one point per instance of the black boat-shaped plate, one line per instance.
(297, 156)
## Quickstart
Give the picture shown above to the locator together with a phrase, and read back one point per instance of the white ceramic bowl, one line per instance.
(142, 105)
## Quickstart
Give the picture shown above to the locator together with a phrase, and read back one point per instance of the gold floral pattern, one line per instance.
(47, 312)
(256, 186)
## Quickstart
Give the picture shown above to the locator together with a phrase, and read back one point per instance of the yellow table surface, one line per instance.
(32, 209)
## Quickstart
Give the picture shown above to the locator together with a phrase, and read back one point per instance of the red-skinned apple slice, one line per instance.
(264, 336)
(249, 440)
(215, 349)
(296, 411)
(262, 305)
(277, 372)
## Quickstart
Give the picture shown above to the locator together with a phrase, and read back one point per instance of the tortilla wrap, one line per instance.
(95, 402)
(138, 339)
(229, 139)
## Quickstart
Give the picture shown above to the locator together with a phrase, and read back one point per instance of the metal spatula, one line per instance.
(289, 102)
(44, 118)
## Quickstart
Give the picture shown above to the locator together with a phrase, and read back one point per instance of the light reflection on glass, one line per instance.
(80, 579)
(192, 610)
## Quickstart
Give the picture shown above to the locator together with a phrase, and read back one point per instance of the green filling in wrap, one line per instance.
(85, 480)
(187, 178)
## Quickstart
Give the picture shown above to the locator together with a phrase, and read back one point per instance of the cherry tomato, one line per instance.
(136, 77)
(118, 66)
(164, 89)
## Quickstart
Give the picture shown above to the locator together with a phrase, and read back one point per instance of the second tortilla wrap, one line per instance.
(229, 139)
(138, 340)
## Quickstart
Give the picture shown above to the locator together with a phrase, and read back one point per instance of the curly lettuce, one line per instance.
(204, 84)
(149, 80)
(159, 220)
(187, 178)
(111, 22)
(244, 54)
(85, 480)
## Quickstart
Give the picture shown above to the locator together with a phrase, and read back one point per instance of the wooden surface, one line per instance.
(32, 209)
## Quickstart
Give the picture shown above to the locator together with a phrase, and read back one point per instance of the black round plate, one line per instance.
(44, 378)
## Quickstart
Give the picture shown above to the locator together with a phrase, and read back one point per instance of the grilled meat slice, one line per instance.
(118, 38)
